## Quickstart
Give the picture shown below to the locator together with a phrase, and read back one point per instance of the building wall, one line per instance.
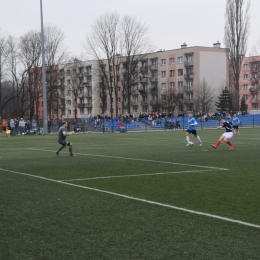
(249, 84)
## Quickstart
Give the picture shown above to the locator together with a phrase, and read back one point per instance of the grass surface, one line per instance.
(47, 219)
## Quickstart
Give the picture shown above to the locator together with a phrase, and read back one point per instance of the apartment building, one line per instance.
(77, 84)
(166, 72)
(249, 83)
(159, 77)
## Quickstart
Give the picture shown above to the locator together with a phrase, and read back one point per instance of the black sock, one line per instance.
(60, 149)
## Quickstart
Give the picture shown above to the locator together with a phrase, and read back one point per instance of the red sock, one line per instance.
(217, 143)
(228, 142)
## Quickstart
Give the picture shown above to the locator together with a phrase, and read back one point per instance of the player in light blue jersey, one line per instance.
(235, 123)
(192, 130)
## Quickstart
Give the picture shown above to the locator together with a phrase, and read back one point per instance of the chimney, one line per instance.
(217, 45)
(184, 46)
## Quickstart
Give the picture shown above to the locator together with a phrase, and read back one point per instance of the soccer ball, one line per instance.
(191, 143)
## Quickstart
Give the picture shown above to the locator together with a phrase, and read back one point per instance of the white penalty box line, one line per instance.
(138, 199)
(134, 175)
(138, 159)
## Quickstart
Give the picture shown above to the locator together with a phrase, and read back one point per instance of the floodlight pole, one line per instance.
(45, 119)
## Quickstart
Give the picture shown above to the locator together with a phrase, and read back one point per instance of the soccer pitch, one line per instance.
(130, 196)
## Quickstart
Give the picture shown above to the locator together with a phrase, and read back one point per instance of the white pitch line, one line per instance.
(134, 175)
(136, 159)
(138, 199)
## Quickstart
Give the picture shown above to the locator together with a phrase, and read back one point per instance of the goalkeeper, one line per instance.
(62, 134)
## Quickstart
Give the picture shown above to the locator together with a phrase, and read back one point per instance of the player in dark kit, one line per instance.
(227, 135)
(62, 139)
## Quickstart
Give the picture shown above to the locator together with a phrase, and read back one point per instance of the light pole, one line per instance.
(45, 118)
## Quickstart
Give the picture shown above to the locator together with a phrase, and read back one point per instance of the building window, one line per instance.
(245, 66)
(172, 96)
(68, 81)
(89, 111)
(191, 96)
(245, 76)
(245, 96)
(154, 62)
(69, 92)
(171, 60)
(255, 76)
(172, 84)
(172, 73)
(254, 106)
(82, 111)
(163, 97)
(163, 74)
(189, 83)
(118, 89)
(255, 96)
(68, 72)
(144, 64)
(180, 59)
(69, 102)
(163, 61)
(163, 85)
(255, 65)
(118, 100)
(135, 109)
(245, 86)
(145, 109)
(180, 84)
(180, 72)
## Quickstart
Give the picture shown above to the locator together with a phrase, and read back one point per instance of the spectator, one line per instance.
(16, 125)
(54, 125)
(49, 125)
(12, 127)
(22, 126)
(4, 126)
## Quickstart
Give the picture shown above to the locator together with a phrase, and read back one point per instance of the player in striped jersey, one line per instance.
(225, 136)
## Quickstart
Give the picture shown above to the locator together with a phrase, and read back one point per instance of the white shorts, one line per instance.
(228, 134)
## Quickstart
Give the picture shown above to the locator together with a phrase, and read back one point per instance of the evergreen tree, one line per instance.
(224, 102)
(243, 106)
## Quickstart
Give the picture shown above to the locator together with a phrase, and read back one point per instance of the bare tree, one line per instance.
(170, 100)
(102, 44)
(3, 60)
(235, 38)
(204, 97)
(118, 46)
(135, 47)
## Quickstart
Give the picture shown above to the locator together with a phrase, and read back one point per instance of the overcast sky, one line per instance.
(170, 22)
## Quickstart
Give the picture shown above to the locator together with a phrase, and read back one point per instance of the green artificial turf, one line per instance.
(58, 217)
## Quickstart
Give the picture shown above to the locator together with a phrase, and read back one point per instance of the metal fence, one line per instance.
(143, 125)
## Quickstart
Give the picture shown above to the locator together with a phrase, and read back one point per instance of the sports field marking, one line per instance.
(136, 159)
(138, 199)
(135, 175)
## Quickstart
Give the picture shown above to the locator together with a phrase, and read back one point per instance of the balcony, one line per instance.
(153, 102)
(153, 67)
(188, 63)
(83, 105)
(62, 96)
(154, 79)
(80, 75)
(87, 84)
(254, 100)
(189, 88)
(188, 76)
(144, 103)
(253, 89)
(189, 101)
(87, 73)
(62, 106)
(125, 104)
(134, 103)
(143, 80)
(144, 68)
